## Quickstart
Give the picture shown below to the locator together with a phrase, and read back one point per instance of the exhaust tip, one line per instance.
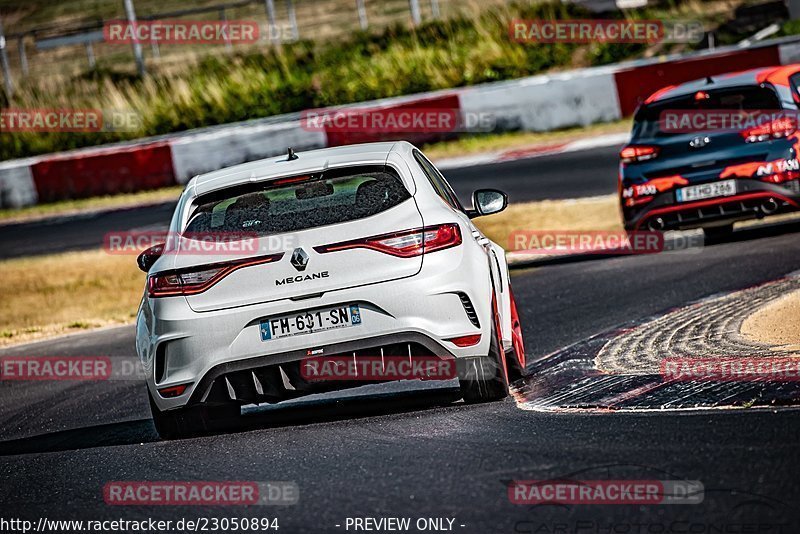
(769, 206)
(656, 224)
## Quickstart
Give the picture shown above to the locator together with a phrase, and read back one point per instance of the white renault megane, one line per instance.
(355, 251)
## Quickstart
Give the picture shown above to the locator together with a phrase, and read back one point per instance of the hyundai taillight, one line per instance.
(405, 244)
(780, 177)
(634, 153)
(775, 129)
(195, 280)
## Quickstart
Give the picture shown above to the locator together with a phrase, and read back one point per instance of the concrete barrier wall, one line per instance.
(442, 101)
(637, 83)
(209, 151)
(789, 53)
(544, 103)
(537, 103)
(16, 184)
(103, 172)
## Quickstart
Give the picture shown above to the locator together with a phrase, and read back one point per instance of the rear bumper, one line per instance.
(180, 346)
(270, 379)
(754, 199)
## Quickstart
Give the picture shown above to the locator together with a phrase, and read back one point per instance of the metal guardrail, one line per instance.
(68, 40)
(92, 33)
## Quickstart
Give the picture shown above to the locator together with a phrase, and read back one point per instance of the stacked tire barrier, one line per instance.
(536, 103)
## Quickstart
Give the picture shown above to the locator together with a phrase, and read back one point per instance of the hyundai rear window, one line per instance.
(646, 121)
(298, 202)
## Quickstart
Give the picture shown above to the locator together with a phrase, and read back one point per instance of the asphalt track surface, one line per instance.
(569, 175)
(420, 454)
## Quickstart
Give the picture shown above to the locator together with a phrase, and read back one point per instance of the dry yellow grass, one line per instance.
(594, 213)
(52, 295)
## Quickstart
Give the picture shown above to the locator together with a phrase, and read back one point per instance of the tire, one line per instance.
(483, 378)
(193, 421)
(515, 370)
(715, 234)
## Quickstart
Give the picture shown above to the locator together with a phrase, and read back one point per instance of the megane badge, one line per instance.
(299, 259)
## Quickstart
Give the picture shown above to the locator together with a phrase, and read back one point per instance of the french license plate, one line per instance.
(698, 192)
(308, 322)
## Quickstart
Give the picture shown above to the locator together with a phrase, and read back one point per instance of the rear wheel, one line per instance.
(191, 421)
(484, 378)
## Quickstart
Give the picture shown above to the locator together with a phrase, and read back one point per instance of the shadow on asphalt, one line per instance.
(300, 413)
(765, 230)
(740, 235)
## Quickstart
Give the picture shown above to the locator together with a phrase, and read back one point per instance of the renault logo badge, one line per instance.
(299, 259)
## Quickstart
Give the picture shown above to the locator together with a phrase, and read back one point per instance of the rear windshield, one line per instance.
(299, 202)
(733, 99)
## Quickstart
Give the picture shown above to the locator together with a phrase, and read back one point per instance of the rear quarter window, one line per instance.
(438, 182)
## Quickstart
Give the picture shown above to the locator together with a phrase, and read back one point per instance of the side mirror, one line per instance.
(487, 202)
(147, 258)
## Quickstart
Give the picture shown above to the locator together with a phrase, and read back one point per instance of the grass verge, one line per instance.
(63, 293)
(594, 213)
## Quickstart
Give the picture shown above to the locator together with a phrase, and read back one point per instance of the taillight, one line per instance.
(198, 279)
(634, 153)
(780, 177)
(173, 391)
(465, 341)
(405, 244)
(775, 129)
